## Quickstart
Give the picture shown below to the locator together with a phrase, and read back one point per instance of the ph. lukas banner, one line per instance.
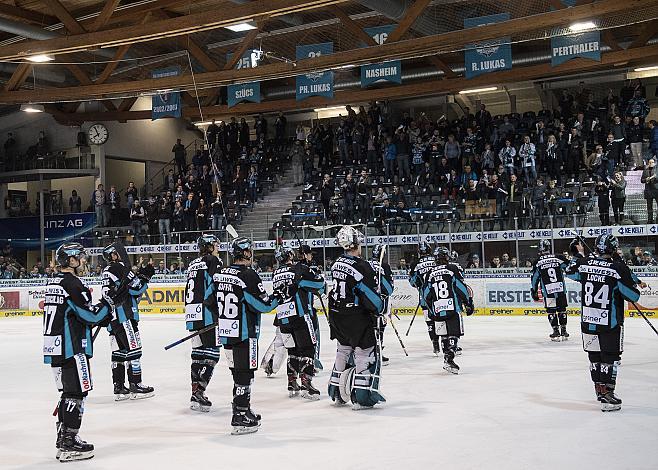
(314, 83)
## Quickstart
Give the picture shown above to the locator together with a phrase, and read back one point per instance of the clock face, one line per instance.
(98, 134)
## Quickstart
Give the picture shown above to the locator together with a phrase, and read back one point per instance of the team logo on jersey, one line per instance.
(253, 353)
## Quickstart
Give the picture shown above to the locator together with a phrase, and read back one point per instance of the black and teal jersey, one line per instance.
(295, 284)
(200, 292)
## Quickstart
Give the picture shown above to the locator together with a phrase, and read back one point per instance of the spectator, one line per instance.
(575, 153)
(634, 134)
(403, 150)
(178, 217)
(114, 201)
(507, 156)
(146, 268)
(495, 263)
(161, 269)
(653, 139)
(602, 190)
(473, 262)
(638, 106)
(189, 213)
(99, 202)
(307, 167)
(164, 219)
(618, 186)
(218, 212)
(169, 181)
(452, 152)
(326, 192)
(650, 180)
(202, 215)
(280, 125)
(390, 156)
(179, 156)
(75, 203)
(137, 216)
(10, 153)
(261, 127)
(131, 194)
(363, 192)
(243, 133)
(527, 155)
(349, 196)
(514, 199)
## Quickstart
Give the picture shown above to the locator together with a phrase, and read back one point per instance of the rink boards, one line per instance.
(493, 294)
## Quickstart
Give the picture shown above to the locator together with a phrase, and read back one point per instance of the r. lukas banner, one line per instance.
(586, 45)
(315, 83)
(386, 71)
(243, 91)
(489, 56)
(167, 103)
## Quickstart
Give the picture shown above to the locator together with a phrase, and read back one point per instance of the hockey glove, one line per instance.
(575, 248)
(470, 309)
(534, 294)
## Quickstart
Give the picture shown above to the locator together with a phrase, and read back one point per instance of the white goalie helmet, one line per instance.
(349, 237)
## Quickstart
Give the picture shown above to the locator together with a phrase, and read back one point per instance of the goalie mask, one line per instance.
(349, 238)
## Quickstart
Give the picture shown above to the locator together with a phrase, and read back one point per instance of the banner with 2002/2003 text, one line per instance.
(314, 83)
(166, 103)
(488, 56)
(249, 91)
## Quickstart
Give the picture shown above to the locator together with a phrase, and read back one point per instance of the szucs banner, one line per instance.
(243, 91)
(489, 56)
(586, 45)
(24, 232)
(386, 71)
(167, 103)
(314, 83)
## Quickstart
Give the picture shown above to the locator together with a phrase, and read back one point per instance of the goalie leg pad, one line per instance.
(343, 354)
(365, 387)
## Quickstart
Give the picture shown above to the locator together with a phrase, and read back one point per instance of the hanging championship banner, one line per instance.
(315, 83)
(385, 71)
(490, 56)
(586, 45)
(167, 103)
(243, 91)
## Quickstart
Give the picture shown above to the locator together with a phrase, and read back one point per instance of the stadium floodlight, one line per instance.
(32, 108)
(583, 26)
(238, 28)
(646, 69)
(40, 58)
(478, 90)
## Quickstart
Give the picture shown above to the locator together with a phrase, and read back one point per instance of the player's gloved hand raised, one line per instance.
(575, 248)
(470, 309)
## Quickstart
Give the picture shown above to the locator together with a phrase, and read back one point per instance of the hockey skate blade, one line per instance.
(122, 397)
(141, 396)
(452, 370)
(609, 407)
(199, 407)
(71, 456)
(359, 407)
(239, 430)
(310, 397)
(557, 339)
(292, 394)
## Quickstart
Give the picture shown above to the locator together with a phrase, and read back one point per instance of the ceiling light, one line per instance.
(237, 28)
(206, 123)
(644, 69)
(577, 27)
(32, 108)
(40, 58)
(478, 90)
(330, 108)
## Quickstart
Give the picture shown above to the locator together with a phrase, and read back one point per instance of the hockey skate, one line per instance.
(121, 393)
(293, 386)
(436, 346)
(244, 421)
(555, 336)
(199, 402)
(458, 351)
(609, 401)
(308, 391)
(140, 391)
(268, 368)
(71, 447)
(360, 407)
(563, 333)
(450, 366)
(384, 360)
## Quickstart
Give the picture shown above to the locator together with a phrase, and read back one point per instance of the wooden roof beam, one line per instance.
(105, 14)
(408, 20)
(31, 16)
(647, 32)
(64, 16)
(352, 26)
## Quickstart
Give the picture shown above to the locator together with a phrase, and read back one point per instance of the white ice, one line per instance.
(520, 402)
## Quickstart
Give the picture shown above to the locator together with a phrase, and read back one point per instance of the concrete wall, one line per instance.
(26, 127)
(119, 173)
(84, 185)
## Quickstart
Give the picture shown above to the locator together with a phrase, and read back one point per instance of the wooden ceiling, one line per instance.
(106, 50)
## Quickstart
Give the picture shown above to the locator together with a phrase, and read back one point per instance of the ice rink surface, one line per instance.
(520, 402)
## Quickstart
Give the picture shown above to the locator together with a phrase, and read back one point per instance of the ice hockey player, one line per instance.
(446, 295)
(200, 313)
(353, 306)
(68, 315)
(417, 276)
(384, 274)
(306, 257)
(295, 285)
(241, 299)
(605, 284)
(125, 340)
(548, 273)
(275, 355)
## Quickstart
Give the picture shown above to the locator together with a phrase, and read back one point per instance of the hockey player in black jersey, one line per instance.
(201, 312)
(125, 339)
(606, 283)
(241, 299)
(446, 295)
(68, 315)
(384, 273)
(353, 306)
(295, 284)
(417, 276)
(548, 273)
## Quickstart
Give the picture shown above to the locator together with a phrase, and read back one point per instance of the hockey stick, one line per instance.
(398, 335)
(188, 337)
(414, 317)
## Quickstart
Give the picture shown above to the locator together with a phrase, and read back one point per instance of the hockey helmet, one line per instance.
(349, 238)
(442, 253)
(544, 246)
(206, 243)
(67, 251)
(454, 256)
(424, 249)
(377, 251)
(606, 244)
(283, 254)
(239, 247)
(304, 250)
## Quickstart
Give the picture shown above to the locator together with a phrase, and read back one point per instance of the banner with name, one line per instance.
(386, 71)
(168, 102)
(24, 232)
(314, 83)
(243, 91)
(586, 45)
(489, 56)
